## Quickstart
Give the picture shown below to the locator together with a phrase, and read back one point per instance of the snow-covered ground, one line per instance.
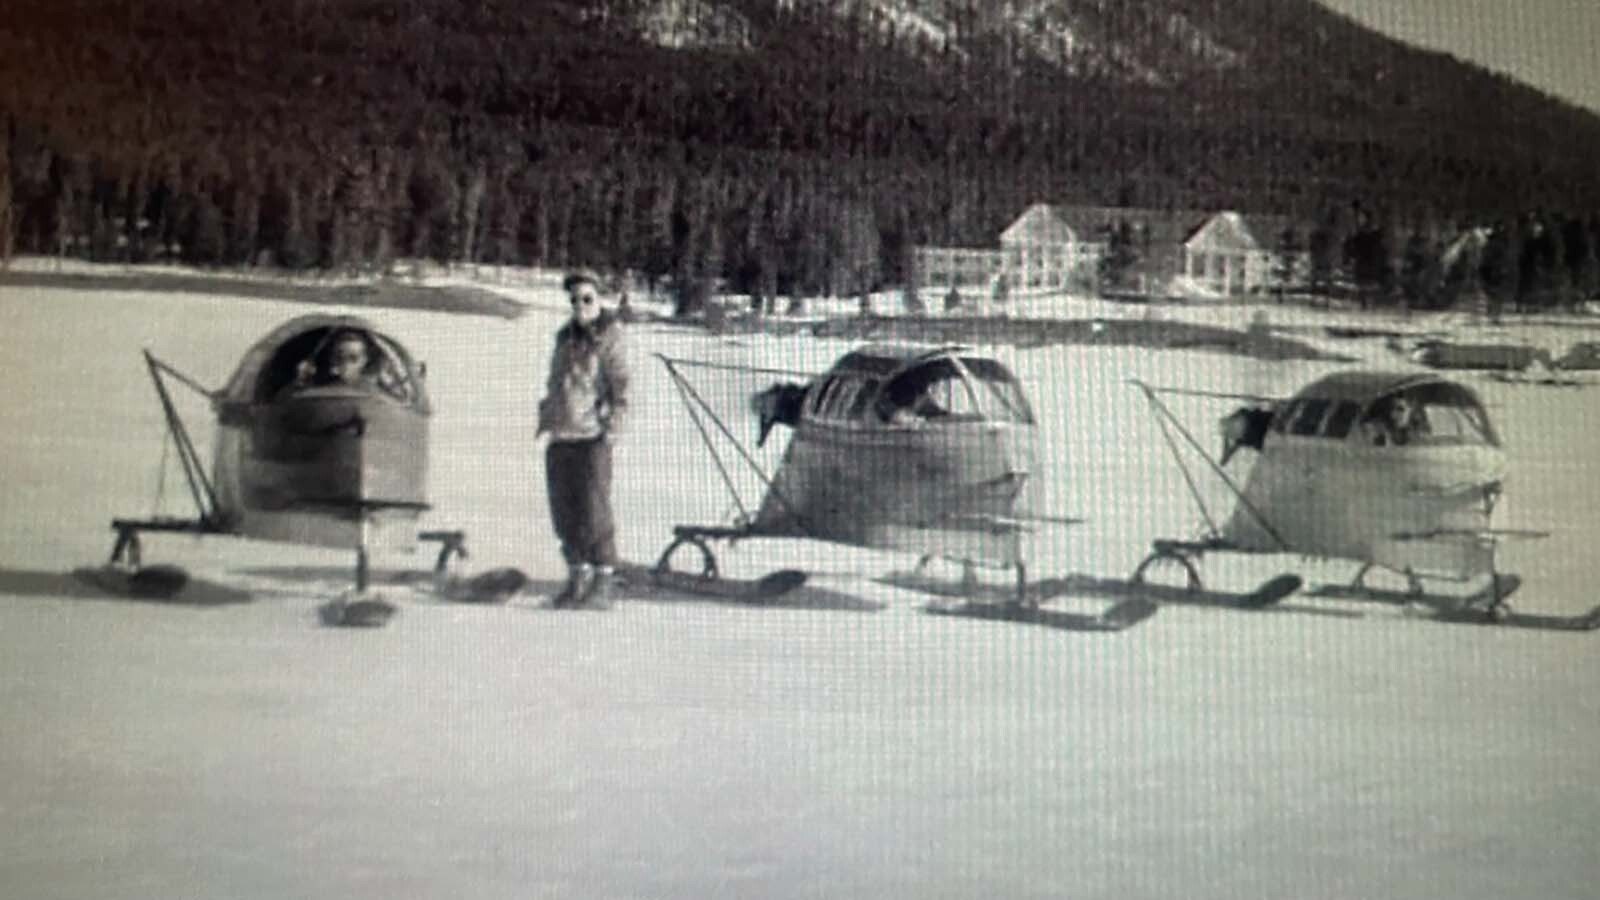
(686, 749)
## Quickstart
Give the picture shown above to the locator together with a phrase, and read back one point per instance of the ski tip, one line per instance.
(1276, 589)
(781, 582)
(160, 582)
(1129, 612)
(492, 586)
(1505, 584)
(366, 612)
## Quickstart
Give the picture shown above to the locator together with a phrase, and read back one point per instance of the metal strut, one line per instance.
(1164, 418)
(200, 487)
(691, 398)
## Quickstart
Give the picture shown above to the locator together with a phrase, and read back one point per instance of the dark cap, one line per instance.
(579, 276)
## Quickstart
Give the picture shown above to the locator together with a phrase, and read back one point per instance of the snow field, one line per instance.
(685, 749)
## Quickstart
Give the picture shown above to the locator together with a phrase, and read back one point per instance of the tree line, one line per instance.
(338, 135)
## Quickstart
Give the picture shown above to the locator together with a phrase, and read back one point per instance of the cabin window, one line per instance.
(1280, 422)
(308, 360)
(932, 391)
(818, 401)
(1341, 420)
(840, 398)
(861, 404)
(1452, 424)
(1308, 416)
(999, 396)
(1432, 414)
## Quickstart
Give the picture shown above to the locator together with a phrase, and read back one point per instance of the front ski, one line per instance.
(358, 609)
(1505, 617)
(158, 582)
(1264, 595)
(1119, 616)
(1491, 594)
(765, 589)
(1488, 607)
(494, 586)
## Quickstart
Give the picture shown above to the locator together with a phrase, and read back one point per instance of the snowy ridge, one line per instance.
(1143, 44)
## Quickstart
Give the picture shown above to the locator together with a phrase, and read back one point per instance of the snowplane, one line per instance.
(929, 450)
(302, 455)
(1392, 470)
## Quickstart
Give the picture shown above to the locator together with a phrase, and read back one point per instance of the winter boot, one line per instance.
(597, 592)
(579, 577)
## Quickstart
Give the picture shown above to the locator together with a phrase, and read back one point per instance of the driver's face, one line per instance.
(349, 358)
(585, 301)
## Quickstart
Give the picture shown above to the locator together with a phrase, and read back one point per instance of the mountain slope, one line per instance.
(418, 118)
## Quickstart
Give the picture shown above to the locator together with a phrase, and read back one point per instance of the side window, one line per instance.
(819, 396)
(952, 395)
(839, 398)
(934, 390)
(1308, 417)
(1341, 420)
(861, 406)
(1286, 411)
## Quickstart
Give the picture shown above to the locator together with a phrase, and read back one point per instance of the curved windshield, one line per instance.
(1000, 397)
(930, 391)
(1429, 414)
(970, 389)
(338, 358)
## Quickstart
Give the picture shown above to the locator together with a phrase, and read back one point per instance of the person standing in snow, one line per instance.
(583, 411)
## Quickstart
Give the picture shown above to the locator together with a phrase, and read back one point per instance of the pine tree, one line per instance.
(8, 235)
(1120, 257)
(1537, 273)
(469, 215)
(1286, 262)
(854, 260)
(202, 236)
(1498, 268)
(1419, 271)
(1583, 260)
(1370, 260)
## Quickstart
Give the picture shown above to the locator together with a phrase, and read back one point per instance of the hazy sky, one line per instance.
(1550, 44)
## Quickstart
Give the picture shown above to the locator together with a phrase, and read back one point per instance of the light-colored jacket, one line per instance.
(587, 392)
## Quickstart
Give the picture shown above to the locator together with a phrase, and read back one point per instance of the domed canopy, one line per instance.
(1331, 406)
(271, 364)
(1365, 385)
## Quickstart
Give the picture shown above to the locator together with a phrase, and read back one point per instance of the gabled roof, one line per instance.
(1159, 226)
(1052, 223)
(1224, 231)
(1039, 224)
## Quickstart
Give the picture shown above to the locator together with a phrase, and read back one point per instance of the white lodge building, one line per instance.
(1237, 254)
(1057, 249)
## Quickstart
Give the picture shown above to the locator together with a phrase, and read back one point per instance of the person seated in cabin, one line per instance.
(1395, 422)
(349, 360)
(350, 363)
(911, 404)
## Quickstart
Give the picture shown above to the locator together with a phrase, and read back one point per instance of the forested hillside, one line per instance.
(785, 144)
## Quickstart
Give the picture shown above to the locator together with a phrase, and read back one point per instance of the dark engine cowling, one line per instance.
(778, 405)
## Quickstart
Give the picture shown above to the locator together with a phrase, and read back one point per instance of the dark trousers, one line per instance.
(578, 477)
